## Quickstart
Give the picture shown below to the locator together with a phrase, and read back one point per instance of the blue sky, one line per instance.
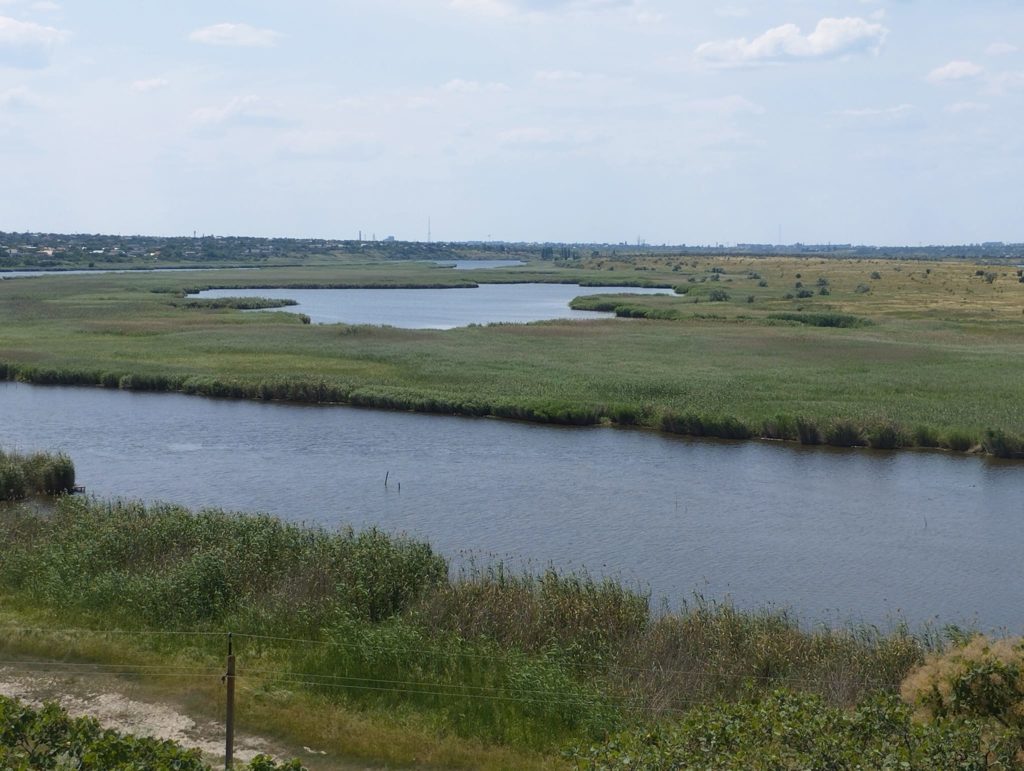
(868, 121)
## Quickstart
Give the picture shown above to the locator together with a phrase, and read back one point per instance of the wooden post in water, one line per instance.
(229, 679)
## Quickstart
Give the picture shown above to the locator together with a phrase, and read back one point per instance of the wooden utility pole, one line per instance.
(229, 678)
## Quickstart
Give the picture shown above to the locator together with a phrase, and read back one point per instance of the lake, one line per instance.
(833, 534)
(436, 308)
(478, 264)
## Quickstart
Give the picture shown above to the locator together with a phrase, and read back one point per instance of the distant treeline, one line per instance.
(55, 250)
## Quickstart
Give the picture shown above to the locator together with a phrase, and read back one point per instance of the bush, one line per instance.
(808, 432)
(47, 738)
(843, 433)
(958, 441)
(924, 436)
(980, 679)
(840, 320)
(795, 731)
(886, 436)
(718, 295)
(1002, 445)
(779, 427)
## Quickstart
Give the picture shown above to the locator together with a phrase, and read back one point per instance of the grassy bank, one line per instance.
(927, 356)
(375, 624)
(362, 643)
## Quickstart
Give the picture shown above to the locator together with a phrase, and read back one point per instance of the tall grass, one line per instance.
(35, 474)
(522, 658)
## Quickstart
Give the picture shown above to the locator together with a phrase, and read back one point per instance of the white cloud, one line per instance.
(959, 107)
(243, 110)
(536, 8)
(541, 137)
(1001, 49)
(149, 84)
(559, 76)
(831, 38)
(27, 45)
(20, 99)
(1002, 82)
(733, 11)
(955, 70)
(45, 6)
(460, 86)
(241, 35)
(725, 106)
(879, 112)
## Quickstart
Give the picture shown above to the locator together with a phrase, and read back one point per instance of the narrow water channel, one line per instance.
(833, 534)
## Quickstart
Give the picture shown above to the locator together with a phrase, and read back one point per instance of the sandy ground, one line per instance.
(116, 705)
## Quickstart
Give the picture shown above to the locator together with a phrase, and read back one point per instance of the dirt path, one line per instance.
(117, 704)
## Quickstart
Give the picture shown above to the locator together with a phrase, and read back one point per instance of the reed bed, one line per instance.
(929, 357)
(22, 475)
(378, 622)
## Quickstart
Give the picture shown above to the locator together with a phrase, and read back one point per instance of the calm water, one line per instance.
(437, 308)
(832, 534)
(479, 264)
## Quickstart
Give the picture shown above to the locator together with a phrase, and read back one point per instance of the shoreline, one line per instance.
(994, 444)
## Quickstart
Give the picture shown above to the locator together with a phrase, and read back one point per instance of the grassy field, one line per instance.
(880, 353)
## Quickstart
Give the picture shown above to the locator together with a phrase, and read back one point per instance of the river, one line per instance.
(834, 535)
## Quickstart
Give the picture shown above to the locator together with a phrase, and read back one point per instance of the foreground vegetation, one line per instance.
(47, 738)
(872, 353)
(333, 624)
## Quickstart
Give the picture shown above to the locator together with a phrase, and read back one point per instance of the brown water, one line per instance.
(833, 534)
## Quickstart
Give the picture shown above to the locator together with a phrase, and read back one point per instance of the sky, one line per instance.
(667, 121)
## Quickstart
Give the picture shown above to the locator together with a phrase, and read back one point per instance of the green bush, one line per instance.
(45, 738)
(792, 731)
(843, 433)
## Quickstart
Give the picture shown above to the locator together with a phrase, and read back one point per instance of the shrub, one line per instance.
(886, 436)
(843, 433)
(875, 275)
(803, 294)
(48, 738)
(1002, 445)
(808, 432)
(780, 427)
(981, 679)
(924, 436)
(822, 319)
(786, 730)
(958, 441)
(718, 295)
(862, 289)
